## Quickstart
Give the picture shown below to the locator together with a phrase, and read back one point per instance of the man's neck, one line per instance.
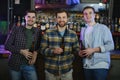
(61, 28)
(28, 27)
(91, 23)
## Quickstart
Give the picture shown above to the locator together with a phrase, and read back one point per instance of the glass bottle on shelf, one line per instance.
(116, 24)
(97, 18)
(112, 25)
(23, 21)
(14, 20)
(117, 45)
(119, 25)
(43, 23)
(19, 21)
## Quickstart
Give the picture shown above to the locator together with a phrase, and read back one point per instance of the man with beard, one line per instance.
(22, 42)
(58, 46)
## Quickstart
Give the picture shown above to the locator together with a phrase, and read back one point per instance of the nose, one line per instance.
(62, 19)
(31, 18)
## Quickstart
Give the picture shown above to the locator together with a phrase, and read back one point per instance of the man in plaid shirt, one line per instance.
(58, 46)
(22, 43)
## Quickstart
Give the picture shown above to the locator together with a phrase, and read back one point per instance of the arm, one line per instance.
(75, 46)
(108, 41)
(10, 41)
(45, 50)
(102, 44)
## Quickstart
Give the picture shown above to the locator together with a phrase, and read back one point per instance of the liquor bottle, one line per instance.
(117, 46)
(71, 25)
(43, 23)
(78, 27)
(23, 21)
(81, 45)
(109, 24)
(51, 24)
(14, 20)
(18, 21)
(97, 18)
(116, 25)
(119, 25)
(47, 25)
(112, 25)
(43, 27)
(75, 26)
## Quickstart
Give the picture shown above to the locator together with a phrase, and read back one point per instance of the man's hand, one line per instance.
(86, 53)
(28, 55)
(33, 59)
(58, 51)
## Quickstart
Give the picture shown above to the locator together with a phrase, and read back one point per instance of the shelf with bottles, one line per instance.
(46, 19)
(18, 20)
(75, 21)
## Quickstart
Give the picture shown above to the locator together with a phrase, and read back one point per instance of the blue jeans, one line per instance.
(27, 71)
(96, 74)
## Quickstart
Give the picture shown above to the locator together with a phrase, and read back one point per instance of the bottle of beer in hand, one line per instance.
(62, 44)
(81, 45)
(32, 47)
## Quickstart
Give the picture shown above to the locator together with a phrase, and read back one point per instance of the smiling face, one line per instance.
(89, 15)
(62, 19)
(30, 19)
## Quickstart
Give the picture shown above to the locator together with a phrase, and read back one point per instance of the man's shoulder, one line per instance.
(50, 30)
(71, 31)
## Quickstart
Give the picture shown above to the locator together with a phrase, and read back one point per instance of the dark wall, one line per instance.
(19, 9)
(3, 9)
(116, 8)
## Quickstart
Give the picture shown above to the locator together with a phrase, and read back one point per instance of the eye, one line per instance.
(33, 17)
(28, 16)
(85, 13)
(90, 12)
(64, 17)
(58, 17)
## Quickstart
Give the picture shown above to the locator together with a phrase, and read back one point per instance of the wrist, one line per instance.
(21, 51)
(35, 52)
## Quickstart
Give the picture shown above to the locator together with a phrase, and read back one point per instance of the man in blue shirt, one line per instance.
(98, 42)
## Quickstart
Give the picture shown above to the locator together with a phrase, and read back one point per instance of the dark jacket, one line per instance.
(16, 40)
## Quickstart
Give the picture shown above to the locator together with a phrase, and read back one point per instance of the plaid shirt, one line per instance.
(61, 63)
(17, 40)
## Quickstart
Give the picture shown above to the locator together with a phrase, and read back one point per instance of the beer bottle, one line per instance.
(62, 44)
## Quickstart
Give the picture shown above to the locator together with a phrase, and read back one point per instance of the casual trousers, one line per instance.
(66, 76)
(96, 74)
(27, 71)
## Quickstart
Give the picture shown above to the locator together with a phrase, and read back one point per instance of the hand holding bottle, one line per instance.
(58, 50)
(26, 53)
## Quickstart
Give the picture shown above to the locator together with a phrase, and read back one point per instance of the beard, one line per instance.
(62, 24)
(30, 23)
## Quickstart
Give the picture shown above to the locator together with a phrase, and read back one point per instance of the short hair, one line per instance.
(88, 7)
(60, 11)
(30, 11)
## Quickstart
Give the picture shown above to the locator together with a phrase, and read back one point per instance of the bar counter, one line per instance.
(77, 66)
(115, 54)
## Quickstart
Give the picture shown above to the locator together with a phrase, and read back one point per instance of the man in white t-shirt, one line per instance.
(98, 42)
